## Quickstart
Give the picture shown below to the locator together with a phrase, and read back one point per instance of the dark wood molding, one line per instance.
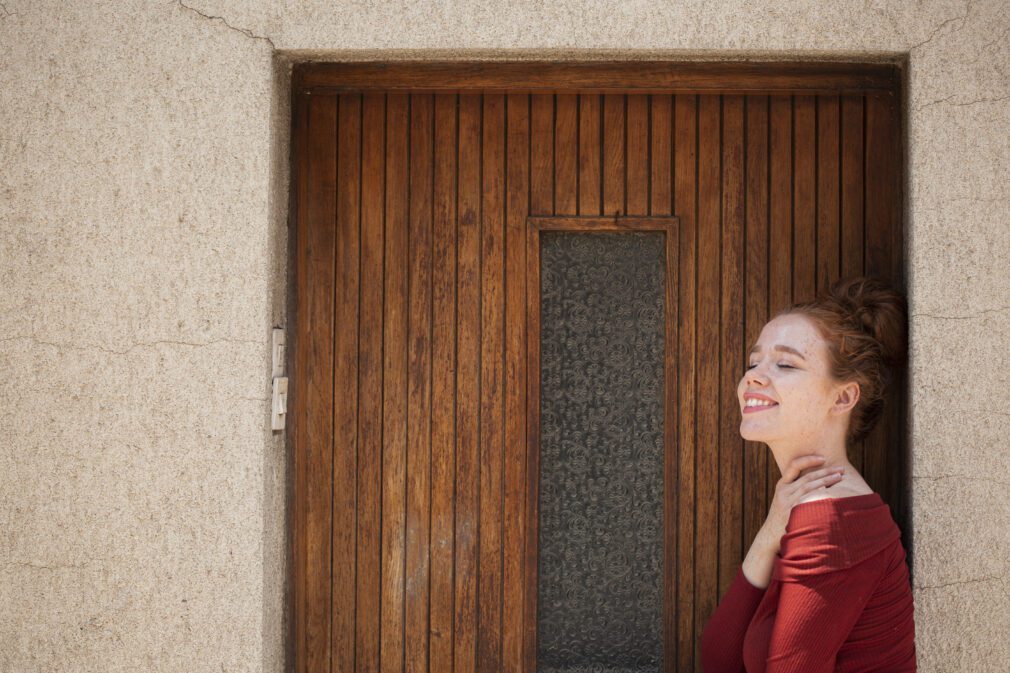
(764, 77)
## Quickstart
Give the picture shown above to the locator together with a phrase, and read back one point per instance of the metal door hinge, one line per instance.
(279, 398)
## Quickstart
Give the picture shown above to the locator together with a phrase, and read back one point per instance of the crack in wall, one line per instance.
(991, 578)
(960, 317)
(970, 102)
(961, 476)
(962, 18)
(41, 566)
(136, 345)
(244, 31)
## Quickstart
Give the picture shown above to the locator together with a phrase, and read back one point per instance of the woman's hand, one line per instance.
(757, 566)
(791, 488)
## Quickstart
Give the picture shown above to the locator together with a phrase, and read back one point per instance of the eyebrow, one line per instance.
(778, 347)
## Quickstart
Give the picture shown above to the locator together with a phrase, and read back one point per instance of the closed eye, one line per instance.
(780, 365)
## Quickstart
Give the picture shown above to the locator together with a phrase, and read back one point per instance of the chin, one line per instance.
(752, 434)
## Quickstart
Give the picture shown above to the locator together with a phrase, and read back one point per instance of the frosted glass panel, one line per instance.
(601, 452)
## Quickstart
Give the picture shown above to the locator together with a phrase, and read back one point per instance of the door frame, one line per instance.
(779, 77)
(702, 77)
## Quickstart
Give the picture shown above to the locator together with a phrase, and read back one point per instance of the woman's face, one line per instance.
(788, 365)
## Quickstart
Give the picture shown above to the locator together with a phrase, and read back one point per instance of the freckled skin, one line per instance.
(813, 411)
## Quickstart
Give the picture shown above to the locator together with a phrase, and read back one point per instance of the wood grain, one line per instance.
(419, 193)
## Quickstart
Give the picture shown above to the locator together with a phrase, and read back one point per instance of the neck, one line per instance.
(830, 444)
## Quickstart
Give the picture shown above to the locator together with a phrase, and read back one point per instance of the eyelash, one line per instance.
(783, 366)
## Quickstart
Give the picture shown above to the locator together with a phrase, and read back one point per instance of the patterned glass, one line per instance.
(600, 578)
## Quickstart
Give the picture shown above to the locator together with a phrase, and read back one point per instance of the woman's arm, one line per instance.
(760, 559)
(721, 646)
(722, 638)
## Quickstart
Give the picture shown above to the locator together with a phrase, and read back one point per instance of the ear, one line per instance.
(848, 396)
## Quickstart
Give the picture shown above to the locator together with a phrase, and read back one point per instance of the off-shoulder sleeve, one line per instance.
(722, 640)
(824, 537)
(815, 615)
(831, 559)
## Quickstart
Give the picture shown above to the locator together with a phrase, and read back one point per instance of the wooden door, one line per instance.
(420, 194)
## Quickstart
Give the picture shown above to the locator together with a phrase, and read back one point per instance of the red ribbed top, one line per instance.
(839, 599)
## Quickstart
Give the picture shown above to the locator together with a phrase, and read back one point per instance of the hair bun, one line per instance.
(875, 307)
(864, 321)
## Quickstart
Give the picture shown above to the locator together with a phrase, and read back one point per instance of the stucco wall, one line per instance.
(143, 198)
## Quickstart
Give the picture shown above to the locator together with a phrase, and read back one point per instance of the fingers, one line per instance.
(801, 463)
(818, 478)
(825, 472)
(826, 482)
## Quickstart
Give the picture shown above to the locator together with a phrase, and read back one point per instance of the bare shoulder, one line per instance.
(839, 490)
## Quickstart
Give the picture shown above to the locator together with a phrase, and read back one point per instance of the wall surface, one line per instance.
(143, 247)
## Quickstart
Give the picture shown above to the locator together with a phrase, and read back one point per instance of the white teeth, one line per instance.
(753, 402)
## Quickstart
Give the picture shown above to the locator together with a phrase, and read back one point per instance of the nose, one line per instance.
(755, 375)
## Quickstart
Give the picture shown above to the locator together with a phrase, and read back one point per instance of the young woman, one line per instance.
(824, 587)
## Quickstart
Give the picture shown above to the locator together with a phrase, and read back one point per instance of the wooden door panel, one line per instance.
(313, 376)
(414, 375)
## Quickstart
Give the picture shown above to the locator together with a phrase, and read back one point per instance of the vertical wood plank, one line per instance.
(467, 383)
(730, 447)
(671, 467)
(852, 185)
(685, 206)
(314, 383)
(780, 242)
(804, 193)
(394, 387)
(299, 428)
(659, 175)
(531, 560)
(880, 188)
(346, 406)
(707, 473)
(590, 127)
(896, 166)
(613, 154)
(756, 454)
(443, 464)
(899, 458)
(373, 111)
(828, 192)
(419, 383)
(516, 209)
(637, 170)
(542, 155)
(852, 207)
(554, 129)
(491, 431)
(660, 166)
(566, 156)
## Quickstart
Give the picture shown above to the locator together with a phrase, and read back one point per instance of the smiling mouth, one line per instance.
(758, 407)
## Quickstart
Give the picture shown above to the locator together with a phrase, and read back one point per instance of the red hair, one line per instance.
(863, 321)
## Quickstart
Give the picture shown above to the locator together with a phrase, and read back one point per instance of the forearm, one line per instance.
(757, 565)
(724, 632)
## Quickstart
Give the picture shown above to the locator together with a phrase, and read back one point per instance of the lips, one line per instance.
(755, 409)
(762, 407)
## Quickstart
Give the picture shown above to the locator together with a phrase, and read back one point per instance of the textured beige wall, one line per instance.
(143, 188)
